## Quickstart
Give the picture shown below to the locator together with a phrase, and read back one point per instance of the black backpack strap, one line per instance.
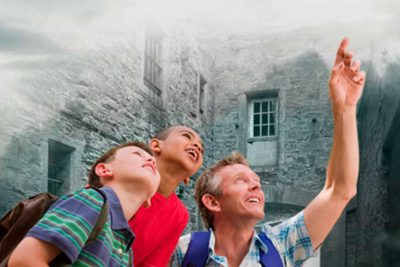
(197, 253)
(101, 221)
(272, 258)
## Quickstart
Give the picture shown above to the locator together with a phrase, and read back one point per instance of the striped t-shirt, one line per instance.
(70, 220)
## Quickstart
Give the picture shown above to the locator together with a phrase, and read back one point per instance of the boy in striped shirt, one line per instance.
(128, 177)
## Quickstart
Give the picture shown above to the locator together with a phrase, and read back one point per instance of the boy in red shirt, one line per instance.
(178, 151)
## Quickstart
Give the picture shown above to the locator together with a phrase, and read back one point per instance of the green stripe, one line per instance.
(106, 240)
(75, 231)
(93, 259)
(67, 223)
(62, 214)
(118, 242)
(56, 229)
(96, 204)
(94, 194)
(115, 256)
(82, 262)
(124, 259)
(121, 236)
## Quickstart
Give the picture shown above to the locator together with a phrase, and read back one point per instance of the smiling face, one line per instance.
(133, 165)
(183, 148)
(242, 197)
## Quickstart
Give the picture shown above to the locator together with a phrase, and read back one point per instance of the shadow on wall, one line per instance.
(377, 202)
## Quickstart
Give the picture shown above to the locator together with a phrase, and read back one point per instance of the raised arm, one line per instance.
(345, 88)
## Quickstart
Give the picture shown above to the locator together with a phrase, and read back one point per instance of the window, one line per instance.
(152, 61)
(202, 94)
(59, 165)
(263, 117)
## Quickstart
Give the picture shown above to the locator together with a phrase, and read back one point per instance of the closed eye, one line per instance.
(240, 180)
(187, 136)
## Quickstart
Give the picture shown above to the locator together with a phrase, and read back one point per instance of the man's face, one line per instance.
(134, 165)
(183, 146)
(242, 197)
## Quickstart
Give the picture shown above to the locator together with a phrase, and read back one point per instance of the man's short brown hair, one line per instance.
(209, 183)
(94, 180)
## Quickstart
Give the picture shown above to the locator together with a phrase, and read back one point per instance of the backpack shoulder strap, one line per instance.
(197, 253)
(101, 220)
(272, 258)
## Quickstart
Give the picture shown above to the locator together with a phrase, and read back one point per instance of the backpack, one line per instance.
(197, 253)
(20, 219)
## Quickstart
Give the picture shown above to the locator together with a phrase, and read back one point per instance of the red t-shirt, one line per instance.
(157, 230)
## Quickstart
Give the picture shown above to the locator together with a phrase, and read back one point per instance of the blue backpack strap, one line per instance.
(272, 258)
(197, 253)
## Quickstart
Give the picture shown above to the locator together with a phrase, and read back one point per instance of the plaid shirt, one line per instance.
(290, 238)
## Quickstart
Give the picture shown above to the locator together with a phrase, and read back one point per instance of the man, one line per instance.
(231, 201)
(128, 177)
(179, 154)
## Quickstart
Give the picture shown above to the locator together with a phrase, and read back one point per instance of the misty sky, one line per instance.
(28, 28)
(34, 30)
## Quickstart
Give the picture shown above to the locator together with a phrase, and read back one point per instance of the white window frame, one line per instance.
(268, 124)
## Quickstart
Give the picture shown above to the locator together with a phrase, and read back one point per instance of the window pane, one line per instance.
(265, 118)
(58, 166)
(272, 117)
(264, 106)
(272, 130)
(256, 131)
(272, 106)
(264, 131)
